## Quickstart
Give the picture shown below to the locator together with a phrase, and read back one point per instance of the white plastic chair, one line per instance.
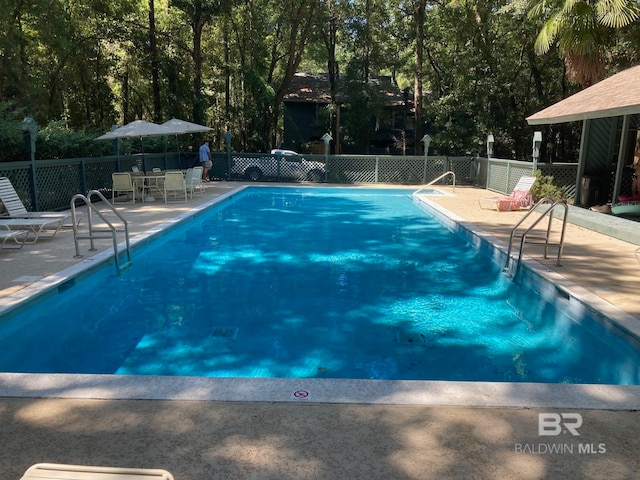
(174, 184)
(193, 178)
(122, 183)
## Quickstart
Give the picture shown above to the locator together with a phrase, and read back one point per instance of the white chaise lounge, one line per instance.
(58, 471)
(16, 209)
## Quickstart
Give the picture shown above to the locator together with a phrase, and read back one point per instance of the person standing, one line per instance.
(205, 160)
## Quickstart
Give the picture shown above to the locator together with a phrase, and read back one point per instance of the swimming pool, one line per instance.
(314, 283)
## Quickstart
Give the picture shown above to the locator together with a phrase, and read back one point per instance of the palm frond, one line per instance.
(617, 13)
(548, 34)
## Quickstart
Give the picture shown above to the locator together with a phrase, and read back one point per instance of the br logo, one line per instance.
(553, 424)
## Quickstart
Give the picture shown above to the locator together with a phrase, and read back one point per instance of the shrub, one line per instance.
(11, 134)
(57, 141)
(543, 187)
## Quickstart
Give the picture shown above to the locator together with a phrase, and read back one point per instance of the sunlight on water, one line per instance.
(327, 283)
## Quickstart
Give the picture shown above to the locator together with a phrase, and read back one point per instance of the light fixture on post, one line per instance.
(427, 141)
(326, 138)
(490, 141)
(537, 142)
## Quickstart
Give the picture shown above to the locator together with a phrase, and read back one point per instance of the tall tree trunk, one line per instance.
(198, 101)
(419, 7)
(330, 41)
(299, 27)
(155, 76)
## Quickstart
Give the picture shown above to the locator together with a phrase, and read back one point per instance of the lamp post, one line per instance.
(326, 138)
(490, 141)
(537, 141)
(427, 141)
(227, 138)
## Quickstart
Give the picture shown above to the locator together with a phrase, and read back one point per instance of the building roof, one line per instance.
(612, 97)
(314, 88)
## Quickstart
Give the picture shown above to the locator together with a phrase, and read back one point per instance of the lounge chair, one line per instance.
(6, 234)
(33, 226)
(175, 184)
(58, 471)
(16, 209)
(519, 197)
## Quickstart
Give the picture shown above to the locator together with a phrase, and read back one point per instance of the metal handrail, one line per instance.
(91, 236)
(439, 178)
(549, 213)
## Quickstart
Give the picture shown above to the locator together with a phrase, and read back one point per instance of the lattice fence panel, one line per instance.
(403, 170)
(504, 175)
(516, 172)
(352, 169)
(498, 177)
(57, 183)
(463, 167)
(98, 174)
(154, 160)
(563, 176)
(436, 166)
(127, 162)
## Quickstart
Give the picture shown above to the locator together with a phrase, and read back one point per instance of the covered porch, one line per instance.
(610, 143)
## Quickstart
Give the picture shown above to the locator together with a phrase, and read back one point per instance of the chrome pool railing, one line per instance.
(96, 234)
(453, 175)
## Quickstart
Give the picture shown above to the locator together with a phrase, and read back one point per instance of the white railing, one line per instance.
(453, 175)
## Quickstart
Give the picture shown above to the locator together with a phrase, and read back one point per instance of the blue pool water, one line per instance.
(313, 282)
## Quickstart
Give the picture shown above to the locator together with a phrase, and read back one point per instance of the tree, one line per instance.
(584, 32)
(199, 14)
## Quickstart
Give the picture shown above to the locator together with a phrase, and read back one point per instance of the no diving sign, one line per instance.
(300, 395)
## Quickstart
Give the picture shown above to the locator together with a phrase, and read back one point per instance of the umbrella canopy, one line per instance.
(178, 126)
(137, 128)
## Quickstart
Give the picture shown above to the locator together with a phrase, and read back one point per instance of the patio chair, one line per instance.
(174, 184)
(123, 183)
(194, 180)
(59, 471)
(16, 209)
(519, 197)
(33, 226)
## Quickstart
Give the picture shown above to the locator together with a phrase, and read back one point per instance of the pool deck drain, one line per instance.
(325, 390)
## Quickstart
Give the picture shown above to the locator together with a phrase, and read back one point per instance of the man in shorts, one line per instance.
(205, 160)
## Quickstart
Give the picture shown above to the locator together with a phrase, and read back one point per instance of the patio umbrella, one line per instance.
(137, 129)
(182, 126)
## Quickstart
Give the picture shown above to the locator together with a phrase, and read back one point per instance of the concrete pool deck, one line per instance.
(209, 439)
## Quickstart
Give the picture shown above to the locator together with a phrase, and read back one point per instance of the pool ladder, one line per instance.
(512, 265)
(94, 233)
(453, 175)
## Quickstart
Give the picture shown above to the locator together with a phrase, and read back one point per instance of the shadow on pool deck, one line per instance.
(210, 440)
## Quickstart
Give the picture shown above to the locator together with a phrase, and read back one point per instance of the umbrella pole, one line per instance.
(144, 163)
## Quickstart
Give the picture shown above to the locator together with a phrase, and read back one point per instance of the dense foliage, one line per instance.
(471, 66)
